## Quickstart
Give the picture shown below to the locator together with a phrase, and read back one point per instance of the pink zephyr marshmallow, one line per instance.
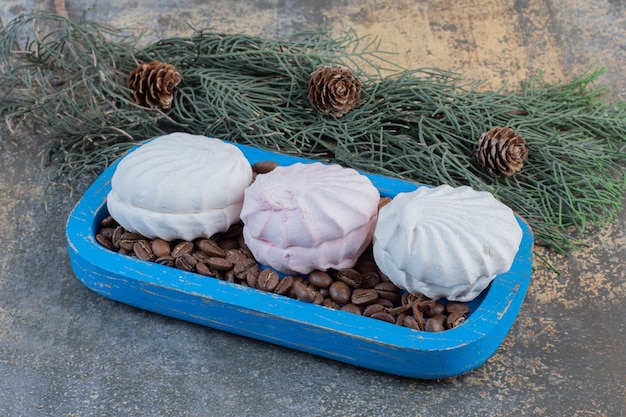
(304, 217)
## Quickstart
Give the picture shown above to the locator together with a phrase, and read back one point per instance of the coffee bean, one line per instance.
(243, 266)
(285, 286)
(303, 292)
(369, 279)
(186, 262)
(388, 291)
(435, 324)
(339, 292)
(219, 264)
(108, 221)
(106, 232)
(363, 289)
(203, 269)
(182, 248)
(268, 280)
(143, 250)
(327, 302)
(361, 296)
(128, 239)
(455, 319)
(456, 306)
(320, 279)
(235, 255)
(117, 236)
(373, 308)
(210, 247)
(350, 276)
(432, 308)
(383, 316)
(165, 260)
(352, 308)
(104, 241)
(413, 323)
(160, 248)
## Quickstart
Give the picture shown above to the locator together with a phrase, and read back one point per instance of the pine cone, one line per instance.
(334, 90)
(153, 84)
(501, 151)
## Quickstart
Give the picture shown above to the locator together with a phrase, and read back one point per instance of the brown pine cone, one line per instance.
(153, 84)
(334, 90)
(501, 152)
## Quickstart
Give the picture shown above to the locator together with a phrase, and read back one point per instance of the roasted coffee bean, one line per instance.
(324, 292)
(244, 266)
(201, 256)
(384, 302)
(388, 291)
(220, 264)
(108, 221)
(319, 298)
(143, 250)
(373, 308)
(327, 302)
(182, 248)
(384, 316)
(229, 276)
(303, 292)
(203, 269)
(117, 236)
(352, 308)
(339, 292)
(160, 248)
(235, 255)
(432, 308)
(455, 319)
(106, 232)
(209, 247)
(268, 280)
(186, 262)
(414, 323)
(362, 296)
(285, 286)
(165, 260)
(104, 241)
(350, 276)
(252, 279)
(456, 306)
(263, 167)
(320, 279)
(436, 323)
(400, 319)
(369, 279)
(128, 239)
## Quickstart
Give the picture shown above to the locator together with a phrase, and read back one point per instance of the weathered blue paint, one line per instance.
(277, 319)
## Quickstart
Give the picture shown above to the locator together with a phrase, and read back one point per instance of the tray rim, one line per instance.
(505, 293)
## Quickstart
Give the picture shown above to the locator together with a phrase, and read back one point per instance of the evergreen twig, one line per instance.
(69, 84)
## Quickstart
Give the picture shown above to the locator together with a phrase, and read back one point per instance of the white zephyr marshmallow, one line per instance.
(179, 186)
(445, 242)
(303, 217)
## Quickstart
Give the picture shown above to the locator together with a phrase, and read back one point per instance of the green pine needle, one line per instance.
(67, 80)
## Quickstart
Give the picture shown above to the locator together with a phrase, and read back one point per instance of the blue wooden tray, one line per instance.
(334, 334)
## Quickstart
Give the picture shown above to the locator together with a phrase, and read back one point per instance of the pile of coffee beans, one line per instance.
(362, 289)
